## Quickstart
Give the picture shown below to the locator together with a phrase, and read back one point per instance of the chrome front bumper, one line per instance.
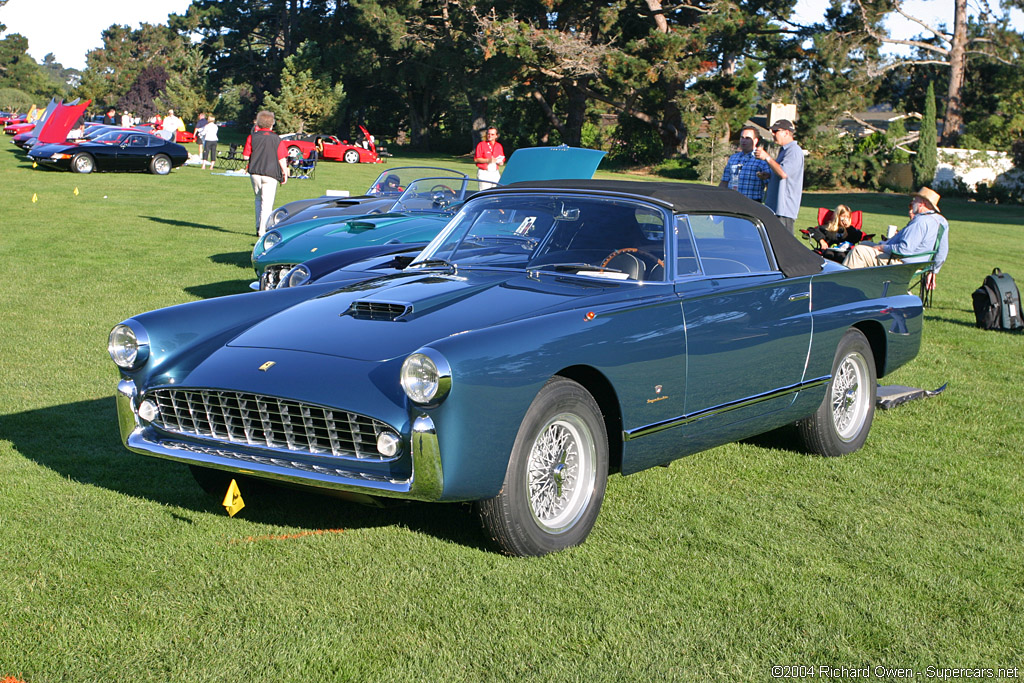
(425, 483)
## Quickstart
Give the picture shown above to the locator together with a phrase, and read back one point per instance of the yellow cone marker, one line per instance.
(76, 192)
(35, 165)
(34, 198)
(233, 499)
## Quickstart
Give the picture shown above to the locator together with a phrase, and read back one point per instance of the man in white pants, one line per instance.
(489, 157)
(268, 166)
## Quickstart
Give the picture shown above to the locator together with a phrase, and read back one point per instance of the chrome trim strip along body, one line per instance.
(426, 482)
(629, 434)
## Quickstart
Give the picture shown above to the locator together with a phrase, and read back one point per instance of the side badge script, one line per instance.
(657, 390)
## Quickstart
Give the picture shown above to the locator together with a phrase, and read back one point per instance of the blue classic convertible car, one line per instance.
(551, 334)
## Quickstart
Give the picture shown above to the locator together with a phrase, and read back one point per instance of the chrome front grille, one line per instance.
(377, 310)
(267, 422)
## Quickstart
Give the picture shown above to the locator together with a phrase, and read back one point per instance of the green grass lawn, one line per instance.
(117, 567)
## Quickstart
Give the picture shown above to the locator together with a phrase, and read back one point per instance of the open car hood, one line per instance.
(551, 163)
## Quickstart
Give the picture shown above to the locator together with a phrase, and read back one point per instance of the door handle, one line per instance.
(800, 296)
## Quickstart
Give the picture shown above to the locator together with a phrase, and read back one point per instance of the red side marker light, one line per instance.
(589, 316)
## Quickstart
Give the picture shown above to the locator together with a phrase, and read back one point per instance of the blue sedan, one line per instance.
(550, 335)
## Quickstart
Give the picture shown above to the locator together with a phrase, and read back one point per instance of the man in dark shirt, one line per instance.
(110, 119)
(268, 166)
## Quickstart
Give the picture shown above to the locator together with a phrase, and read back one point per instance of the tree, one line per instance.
(18, 70)
(113, 68)
(187, 90)
(140, 99)
(305, 103)
(948, 49)
(925, 161)
(60, 77)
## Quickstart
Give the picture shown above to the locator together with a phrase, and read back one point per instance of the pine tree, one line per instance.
(926, 159)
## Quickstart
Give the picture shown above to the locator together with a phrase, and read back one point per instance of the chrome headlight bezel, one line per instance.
(296, 277)
(270, 240)
(128, 345)
(426, 377)
(276, 217)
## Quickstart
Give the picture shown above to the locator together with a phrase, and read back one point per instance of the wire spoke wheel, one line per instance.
(849, 400)
(556, 476)
(842, 422)
(561, 472)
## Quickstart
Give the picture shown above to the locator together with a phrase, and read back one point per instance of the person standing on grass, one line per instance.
(786, 185)
(198, 131)
(744, 172)
(268, 166)
(209, 137)
(488, 157)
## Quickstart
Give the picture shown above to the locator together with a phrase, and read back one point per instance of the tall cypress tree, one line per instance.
(926, 159)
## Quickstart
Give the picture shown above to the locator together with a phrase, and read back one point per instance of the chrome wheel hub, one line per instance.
(561, 472)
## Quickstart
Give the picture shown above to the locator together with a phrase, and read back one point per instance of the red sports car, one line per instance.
(364, 152)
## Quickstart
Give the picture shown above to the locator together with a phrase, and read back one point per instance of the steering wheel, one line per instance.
(443, 188)
(631, 250)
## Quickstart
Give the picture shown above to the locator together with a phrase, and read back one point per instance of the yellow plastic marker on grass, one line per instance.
(34, 198)
(233, 499)
(76, 192)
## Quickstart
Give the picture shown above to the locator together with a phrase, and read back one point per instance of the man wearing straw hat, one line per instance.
(916, 238)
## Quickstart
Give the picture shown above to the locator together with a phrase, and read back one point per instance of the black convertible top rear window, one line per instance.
(793, 257)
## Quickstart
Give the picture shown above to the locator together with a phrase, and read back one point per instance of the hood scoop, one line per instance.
(378, 310)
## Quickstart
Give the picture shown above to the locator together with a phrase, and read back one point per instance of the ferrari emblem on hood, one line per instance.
(266, 366)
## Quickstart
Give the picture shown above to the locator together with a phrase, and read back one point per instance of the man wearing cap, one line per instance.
(918, 237)
(786, 185)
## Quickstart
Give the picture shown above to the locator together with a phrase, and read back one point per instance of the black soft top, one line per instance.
(793, 257)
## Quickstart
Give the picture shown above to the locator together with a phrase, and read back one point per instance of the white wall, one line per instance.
(975, 166)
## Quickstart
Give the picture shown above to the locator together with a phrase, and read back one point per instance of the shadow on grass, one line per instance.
(782, 439)
(188, 224)
(80, 441)
(951, 321)
(242, 259)
(216, 289)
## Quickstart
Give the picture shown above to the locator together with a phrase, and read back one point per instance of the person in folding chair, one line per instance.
(925, 238)
(839, 226)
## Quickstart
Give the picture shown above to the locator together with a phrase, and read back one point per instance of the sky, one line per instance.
(70, 28)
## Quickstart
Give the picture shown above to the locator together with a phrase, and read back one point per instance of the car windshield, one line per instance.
(586, 235)
(393, 182)
(436, 195)
(114, 137)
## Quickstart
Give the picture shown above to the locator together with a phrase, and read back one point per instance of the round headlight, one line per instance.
(128, 346)
(271, 240)
(426, 377)
(297, 276)
(277, 217)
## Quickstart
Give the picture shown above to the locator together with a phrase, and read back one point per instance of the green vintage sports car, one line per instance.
(416, 216)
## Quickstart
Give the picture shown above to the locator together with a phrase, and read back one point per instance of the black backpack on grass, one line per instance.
(997, 303)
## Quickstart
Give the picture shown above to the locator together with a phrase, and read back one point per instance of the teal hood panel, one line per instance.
(551, 163)
(393, 316)
(357, 232)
